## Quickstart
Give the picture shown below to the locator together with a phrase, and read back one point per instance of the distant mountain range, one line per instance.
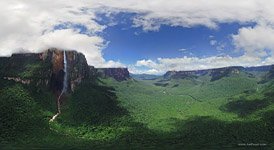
(106, 106)
(218, 73)
(27, 66)
(144, 76)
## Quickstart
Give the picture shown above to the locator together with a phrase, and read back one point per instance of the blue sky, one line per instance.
(129, 44)
(151, 37)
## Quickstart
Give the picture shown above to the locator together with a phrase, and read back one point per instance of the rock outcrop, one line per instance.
(25, 67)
(269, 76)
(119, 74)
(78, 68)
(219, 73)
(215, 74)
(184, 74)
(259, 68)
(46, 68)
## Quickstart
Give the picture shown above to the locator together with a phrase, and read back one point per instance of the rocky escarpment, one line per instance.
(25, 67)
(184, 74)
(259, 68)
(46, 68)
(269, 75)
(215, 74)
(77, 68)
(118, 74)
(219, 73)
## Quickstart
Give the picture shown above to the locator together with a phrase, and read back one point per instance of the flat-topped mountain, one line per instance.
(92, 109)
(47, 68)
(216, 73)
(118, 74)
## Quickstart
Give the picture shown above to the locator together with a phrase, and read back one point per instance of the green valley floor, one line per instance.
(233, 112)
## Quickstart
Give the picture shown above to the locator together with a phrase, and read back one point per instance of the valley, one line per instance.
(107, 108)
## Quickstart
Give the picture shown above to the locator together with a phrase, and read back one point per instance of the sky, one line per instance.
(150, 37)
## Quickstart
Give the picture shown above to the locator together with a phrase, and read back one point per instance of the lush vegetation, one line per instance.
(137, 114)
(17, 113)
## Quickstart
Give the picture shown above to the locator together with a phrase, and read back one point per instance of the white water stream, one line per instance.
(64, 90)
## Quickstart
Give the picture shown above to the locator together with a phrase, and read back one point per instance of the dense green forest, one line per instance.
(156, 113)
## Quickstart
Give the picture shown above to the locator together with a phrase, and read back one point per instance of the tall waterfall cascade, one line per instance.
(64, 89)
(65, 82)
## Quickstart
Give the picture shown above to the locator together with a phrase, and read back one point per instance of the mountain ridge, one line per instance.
(217, 73)
(120, 73)
(47, 68)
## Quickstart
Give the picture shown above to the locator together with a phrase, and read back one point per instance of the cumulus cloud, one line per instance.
(70, 39)
(154, 13)
(161, 65)
(145, 63)
(185, 13)
(141, 70)
(31, 24)
(255, 40)
(256, 43)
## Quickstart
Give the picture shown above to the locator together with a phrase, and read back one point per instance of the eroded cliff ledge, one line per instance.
(47, 69)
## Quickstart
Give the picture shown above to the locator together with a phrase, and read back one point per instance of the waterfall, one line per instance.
(64, 89)
(65, 82)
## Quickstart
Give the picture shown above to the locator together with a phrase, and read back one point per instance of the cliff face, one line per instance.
(77, 68)
(55, 58)
(184, 74)
(269, 76)
(46, 69)
(259, 68)
(25, 67)
(215, 74)
(219, 73)
(271, 72)
(119, 74)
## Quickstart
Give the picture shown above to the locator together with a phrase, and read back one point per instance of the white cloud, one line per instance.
(139, 70)
(112, 64)
(213, 42)
(154, 13)
(256, 40)
(146, 24)
(153, 71)
(70, 39)
(29, 24)
(145, 63)
(161, 65)
(220, 46)
(182, 50)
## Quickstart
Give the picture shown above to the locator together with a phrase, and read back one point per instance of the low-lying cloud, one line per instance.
(31, 25)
